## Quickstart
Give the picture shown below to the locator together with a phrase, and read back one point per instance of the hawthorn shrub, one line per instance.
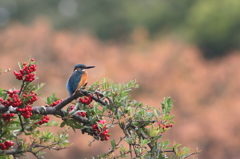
(93, 110)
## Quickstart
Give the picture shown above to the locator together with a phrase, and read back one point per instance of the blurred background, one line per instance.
(188, 50)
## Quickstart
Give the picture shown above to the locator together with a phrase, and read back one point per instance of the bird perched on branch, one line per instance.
(78, 78)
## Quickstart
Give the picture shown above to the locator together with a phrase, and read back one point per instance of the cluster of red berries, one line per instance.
(13, 100)
(86, 100)
(56, 102)
(26, 112)
(7, 117)
(6, 145)
(163, 126)
(27, 72)
(33, 98)
(18, 75)
(70, 108)
(101, 132)
(45, 119)
(83, 114)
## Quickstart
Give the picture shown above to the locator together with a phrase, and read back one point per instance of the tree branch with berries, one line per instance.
(93, 110)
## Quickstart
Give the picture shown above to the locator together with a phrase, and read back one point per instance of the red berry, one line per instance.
(4, 147)
(71, 108)
(45, 119)
(56, 102)
(101, 132)
(86, 100)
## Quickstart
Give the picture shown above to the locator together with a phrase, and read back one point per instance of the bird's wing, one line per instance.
(73, 81)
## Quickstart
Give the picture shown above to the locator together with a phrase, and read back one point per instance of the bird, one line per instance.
(78, 78)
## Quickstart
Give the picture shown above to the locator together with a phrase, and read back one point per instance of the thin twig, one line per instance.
(19, 116)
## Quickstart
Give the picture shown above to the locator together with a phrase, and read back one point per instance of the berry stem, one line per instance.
(1, 129)
(22, 86)
(20, 118)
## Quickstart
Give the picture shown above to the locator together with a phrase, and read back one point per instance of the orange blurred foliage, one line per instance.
(206, 92)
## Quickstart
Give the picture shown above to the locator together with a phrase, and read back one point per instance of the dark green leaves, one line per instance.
(167, 105)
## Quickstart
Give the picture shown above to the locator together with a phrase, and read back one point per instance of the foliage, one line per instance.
(198, 21)
(105, 104)
(215, 32)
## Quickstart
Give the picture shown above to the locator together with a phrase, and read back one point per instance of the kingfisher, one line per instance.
(78, 78)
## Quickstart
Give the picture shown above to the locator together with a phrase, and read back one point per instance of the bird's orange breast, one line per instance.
(83, 79)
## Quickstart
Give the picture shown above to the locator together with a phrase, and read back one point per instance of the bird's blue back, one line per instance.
(73, 81)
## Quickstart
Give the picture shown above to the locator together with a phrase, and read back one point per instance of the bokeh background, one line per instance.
(188, 50)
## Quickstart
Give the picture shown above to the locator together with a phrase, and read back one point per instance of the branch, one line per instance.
(19, 151)
(57, 110)
(11, 152)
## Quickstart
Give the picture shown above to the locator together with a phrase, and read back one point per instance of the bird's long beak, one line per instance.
(87, 67)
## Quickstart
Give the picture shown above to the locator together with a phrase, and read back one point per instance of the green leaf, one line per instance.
(20, 65)
(63, 124)
(155, 113)
(136, 85)
(113, 143)
(28, 133)
(13, 122)
(170, 117)
(39, 87)
(4, 133)
(5, 96)
(157, 137)
(176, 146)
(165, 144)
(103, 155)
(167, 105)
(13, 128)
(144, 141)
(122, 148)
(95, 109)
